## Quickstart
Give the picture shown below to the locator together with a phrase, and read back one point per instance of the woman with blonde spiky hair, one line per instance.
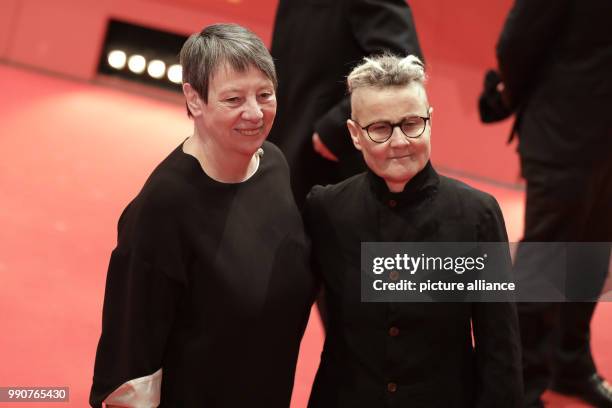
(404, 354)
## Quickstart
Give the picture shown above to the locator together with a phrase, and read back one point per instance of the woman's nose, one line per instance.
(398, 138)
(252, 111)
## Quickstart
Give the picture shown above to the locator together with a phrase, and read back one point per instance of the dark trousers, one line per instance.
(564, 204)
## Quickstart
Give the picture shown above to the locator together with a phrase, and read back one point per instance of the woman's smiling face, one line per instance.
(240, 110)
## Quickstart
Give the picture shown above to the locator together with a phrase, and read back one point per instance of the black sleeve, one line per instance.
(528, 36)
(144, 284)
(377, 25)
(496, 333)
(312, 217)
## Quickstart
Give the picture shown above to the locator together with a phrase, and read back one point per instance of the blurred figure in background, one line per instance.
(555, 60)
(315, 44)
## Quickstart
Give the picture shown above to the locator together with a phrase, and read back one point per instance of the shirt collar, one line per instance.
(421, 185)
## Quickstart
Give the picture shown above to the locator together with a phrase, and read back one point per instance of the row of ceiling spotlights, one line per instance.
(136, 63)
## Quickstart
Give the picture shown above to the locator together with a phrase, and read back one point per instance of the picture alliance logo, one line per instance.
(413, 264)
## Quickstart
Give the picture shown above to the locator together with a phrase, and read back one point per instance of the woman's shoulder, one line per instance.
(470, 203)
(340, 195)
(272, 153)
(466, 193)
(166, 187)
(269, 147)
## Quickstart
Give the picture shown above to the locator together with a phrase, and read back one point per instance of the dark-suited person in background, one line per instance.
(315, 44)
(555, 59)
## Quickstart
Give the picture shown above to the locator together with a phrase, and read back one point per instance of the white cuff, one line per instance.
(142, 392)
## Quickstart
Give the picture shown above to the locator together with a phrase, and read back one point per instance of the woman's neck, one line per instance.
(218, 164)
(396, 187)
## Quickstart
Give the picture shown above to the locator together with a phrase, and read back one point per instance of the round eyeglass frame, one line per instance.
(393, 126)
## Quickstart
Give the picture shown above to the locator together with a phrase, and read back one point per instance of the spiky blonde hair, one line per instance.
(386, 70)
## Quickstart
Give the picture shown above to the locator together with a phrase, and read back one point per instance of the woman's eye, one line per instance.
(377, 127)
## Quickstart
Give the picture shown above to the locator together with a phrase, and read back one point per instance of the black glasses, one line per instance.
(412, 127)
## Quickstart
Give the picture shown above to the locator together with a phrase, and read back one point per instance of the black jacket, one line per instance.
(555, 57)
(408, 354)
(315, 45)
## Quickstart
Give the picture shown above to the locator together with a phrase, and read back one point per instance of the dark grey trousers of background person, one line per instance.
(571, 204)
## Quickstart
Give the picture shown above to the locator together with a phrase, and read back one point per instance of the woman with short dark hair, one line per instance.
(208, 290)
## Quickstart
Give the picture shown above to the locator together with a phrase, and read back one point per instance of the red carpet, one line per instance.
(73, 155)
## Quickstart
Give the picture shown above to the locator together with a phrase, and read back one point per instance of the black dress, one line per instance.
(408, 354)
(210, 282)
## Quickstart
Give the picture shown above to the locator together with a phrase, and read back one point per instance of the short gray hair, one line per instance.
(386, 70)
(219, 44)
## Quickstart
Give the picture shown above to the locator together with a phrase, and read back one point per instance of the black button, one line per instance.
(393, 331)
(392, 203)
(394, 275)
(392, 387)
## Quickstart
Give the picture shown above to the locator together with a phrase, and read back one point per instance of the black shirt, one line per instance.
(209, 281)
(408, 354)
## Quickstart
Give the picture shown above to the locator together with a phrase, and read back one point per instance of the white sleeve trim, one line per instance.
(142, 392)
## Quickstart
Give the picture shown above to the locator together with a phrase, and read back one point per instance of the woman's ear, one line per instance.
(193, 100)
(355, 131)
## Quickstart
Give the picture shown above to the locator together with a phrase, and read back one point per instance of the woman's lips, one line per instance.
(250, 131)
(404, 156)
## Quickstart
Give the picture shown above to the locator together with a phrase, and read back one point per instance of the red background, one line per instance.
(458, 38)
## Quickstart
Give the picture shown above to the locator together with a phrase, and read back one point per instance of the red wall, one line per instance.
(65, 36)
(458, 38)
